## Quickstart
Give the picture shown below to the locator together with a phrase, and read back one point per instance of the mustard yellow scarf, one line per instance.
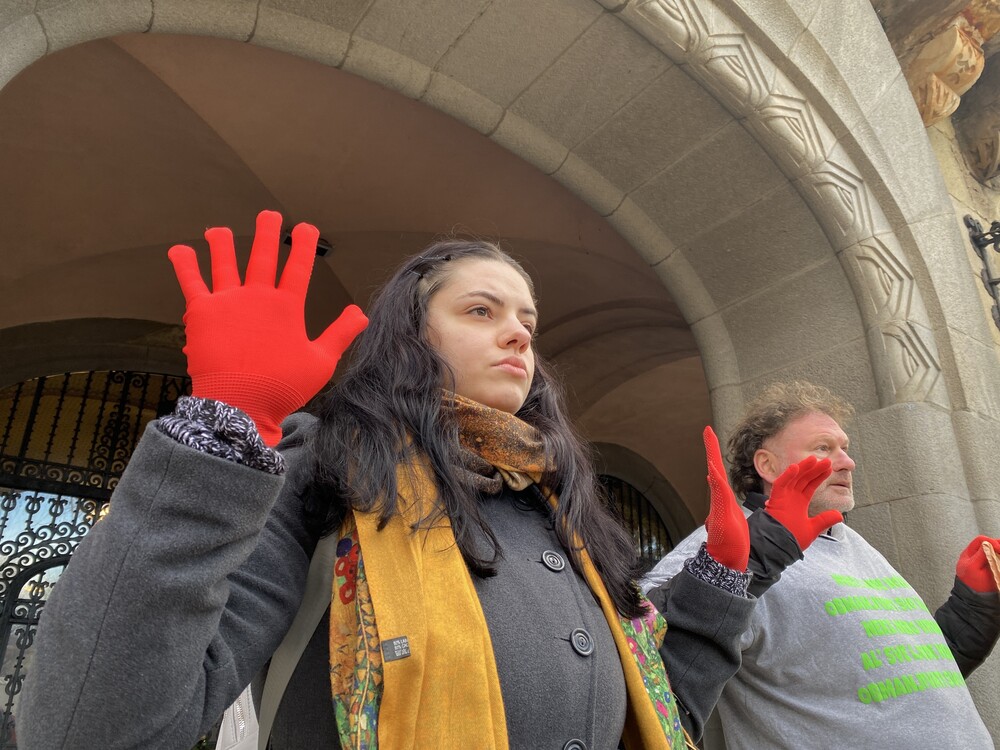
(402, 674)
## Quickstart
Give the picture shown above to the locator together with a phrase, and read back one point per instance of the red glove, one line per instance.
(247, 344)
(728, 535)
(973, 569)
(790, 496)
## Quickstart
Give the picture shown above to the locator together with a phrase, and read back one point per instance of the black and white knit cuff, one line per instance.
(706, 568)
(220, 430)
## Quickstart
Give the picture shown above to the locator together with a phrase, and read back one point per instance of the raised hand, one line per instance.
(790, 496)
(728, 536)
(973, 568)
(246, 342)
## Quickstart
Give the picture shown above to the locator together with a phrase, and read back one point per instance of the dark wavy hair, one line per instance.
(767, 415)
(386, 410)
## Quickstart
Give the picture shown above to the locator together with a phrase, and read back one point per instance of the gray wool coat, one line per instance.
(176, 600)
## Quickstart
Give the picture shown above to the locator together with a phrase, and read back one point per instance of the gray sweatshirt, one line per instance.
(841, 651)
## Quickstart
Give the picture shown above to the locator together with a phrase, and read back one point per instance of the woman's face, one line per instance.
(481, 322)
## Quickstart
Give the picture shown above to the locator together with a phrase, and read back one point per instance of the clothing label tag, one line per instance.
(395, 648)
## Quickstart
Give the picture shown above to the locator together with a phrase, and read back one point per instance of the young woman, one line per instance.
(482, 595)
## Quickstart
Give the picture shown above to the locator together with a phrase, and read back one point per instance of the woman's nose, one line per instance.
(517, 336)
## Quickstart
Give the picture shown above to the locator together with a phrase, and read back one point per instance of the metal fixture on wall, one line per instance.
(982, 241)
(323, 246)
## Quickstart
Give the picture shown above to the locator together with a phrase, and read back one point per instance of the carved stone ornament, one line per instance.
(716, 52)
(944, 69)
(984, 17)
(935, 101)
(985, 155)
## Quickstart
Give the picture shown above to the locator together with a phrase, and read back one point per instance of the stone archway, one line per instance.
(90, 344)
(812, 236)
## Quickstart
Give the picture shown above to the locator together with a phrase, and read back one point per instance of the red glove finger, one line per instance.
(790, 497)
(728, 535)
(298, 269)
(225, 274)
(185, 263)
(341, 332)
(247, 344)
(263, 262)
(973, 569)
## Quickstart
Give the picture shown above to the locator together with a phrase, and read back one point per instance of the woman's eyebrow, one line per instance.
(497, 301)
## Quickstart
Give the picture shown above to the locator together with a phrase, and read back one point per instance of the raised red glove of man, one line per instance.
(246, 342)
(790, 496)
(728, 535)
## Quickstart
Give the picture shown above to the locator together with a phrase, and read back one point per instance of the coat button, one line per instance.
(553, 561)
(575, 745)
(581, 641)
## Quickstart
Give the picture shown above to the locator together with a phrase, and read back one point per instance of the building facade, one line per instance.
(710, 194)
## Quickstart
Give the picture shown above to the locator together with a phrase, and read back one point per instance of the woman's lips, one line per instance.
(514, 366)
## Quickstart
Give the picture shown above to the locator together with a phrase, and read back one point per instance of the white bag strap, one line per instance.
(240, 727)
(315, 602)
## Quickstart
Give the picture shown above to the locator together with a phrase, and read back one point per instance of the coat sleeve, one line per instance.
(970, 622)
(171, 603)
(671, 564)
(702, 648)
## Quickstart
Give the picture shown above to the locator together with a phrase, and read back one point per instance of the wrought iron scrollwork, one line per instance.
(18, 625)
(63, 448)
(78, 430)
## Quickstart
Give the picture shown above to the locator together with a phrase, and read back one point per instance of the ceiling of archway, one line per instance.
(124, 146)
(130, 144)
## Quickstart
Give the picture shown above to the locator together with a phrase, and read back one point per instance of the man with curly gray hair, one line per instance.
(767, 416)
(841, 647)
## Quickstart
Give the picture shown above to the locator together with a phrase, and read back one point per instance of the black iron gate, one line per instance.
(64, 443)
(648, 530)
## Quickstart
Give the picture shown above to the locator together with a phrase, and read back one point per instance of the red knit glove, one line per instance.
(246, 343)
(973, 569)
(728, 535)
(790, 496)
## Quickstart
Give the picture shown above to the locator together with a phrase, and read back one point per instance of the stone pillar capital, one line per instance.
(945, 68)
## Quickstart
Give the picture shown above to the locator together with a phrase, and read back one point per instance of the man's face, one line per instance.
(812, 434)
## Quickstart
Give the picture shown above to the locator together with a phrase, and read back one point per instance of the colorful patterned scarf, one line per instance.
(401, 673)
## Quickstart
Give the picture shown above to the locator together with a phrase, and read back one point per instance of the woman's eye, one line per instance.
(481, 311)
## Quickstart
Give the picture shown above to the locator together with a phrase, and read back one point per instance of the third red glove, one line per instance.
(973, 568)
